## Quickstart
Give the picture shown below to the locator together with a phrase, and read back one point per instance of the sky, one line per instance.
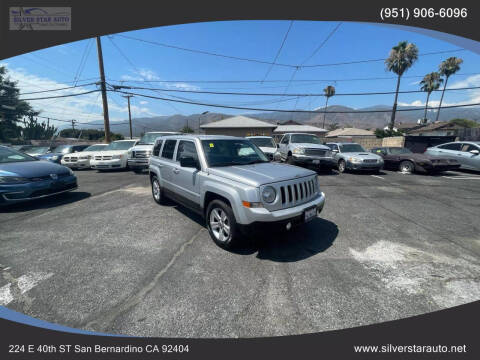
(140, 63)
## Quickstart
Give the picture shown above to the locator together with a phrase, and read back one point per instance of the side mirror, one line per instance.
(189, 162)
(335, 150)
(474, 152)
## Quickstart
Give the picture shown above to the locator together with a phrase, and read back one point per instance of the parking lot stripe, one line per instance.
(376, 176)
(24, 283)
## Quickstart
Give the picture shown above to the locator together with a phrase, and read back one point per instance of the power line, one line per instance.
(298, 111)
(323, 43)
(269, 62)
(278, 52)
(60, 96)
(53, 90)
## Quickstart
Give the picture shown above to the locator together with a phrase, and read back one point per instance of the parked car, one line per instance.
(305, 149)
(56, 154)
(466, 152)
(82, 160)
(139, 154)
(266, 144)
(403, 159)
(113, 156)
(352, 156)
(37, 150)
(231, 183)
(23, 177)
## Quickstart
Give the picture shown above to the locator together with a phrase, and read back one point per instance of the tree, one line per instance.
(447, 68)
(33, 130)
(400, 59)
(464, 123)
(430, 82)
(187, 130)
(333, 126)
(329, 92)
(89, 134)
(381, 133)
(12, 109)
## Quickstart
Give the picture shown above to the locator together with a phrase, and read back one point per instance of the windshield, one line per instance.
(37, 150)
(149, 138)
(263, 142)
(64, 149)
(95, 147)
(351, 148)
(120, 145)
(10, 156)
(305, 138)
(398, 151)
(232, 152)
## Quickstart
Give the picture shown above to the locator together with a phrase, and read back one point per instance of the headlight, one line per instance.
(328, 153)
(54, 157)
(269, 194)
(117, 156)
(129, 154)
(12, 180)
(355, 160)
(299, 151)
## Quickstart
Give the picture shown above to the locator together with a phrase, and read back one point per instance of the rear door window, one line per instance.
(169, 149)
(452, 146)
(157, 147)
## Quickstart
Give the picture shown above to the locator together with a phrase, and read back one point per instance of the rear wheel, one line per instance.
(157, 191)
(222, 225)
(342, 166)
(407, 166)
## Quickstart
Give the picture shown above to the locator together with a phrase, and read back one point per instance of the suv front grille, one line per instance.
(143, 154)
(293, 192)
(315, 152)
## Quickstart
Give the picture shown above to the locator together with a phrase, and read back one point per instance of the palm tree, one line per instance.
(430, 82)
(447, 68)
(400, 59)
(329, 92)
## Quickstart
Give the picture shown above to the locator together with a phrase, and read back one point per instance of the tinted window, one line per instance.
(284, 140)
(157, 147)
(263, 142)
(305, 138)
(347, 148)
(232, 152)
(169, 149)
(399, 151)
(186, 148)
(452, 146)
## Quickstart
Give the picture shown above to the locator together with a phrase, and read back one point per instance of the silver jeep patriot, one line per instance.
(230, 182)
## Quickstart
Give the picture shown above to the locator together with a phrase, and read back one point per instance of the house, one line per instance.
(239, 126)
(439, 128)
(349, 133)
(283, 129)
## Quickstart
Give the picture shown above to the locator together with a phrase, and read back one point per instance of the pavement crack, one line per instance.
(103, 322)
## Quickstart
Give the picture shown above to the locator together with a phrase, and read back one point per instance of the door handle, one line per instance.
(176, 171)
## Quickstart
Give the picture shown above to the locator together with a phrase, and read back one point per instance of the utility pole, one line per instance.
(73, 127)
(106, 120)
(129, 113)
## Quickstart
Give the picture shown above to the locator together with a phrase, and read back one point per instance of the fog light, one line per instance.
(289, 226)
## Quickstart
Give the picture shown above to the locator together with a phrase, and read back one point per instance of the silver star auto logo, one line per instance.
(54, 176)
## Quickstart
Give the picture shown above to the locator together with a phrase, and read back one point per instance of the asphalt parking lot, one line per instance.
(108, 258)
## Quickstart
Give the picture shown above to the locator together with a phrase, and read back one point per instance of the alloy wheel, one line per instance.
(219, 224)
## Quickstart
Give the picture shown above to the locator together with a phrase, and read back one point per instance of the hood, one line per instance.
(362, 155)
(111, 152)
(142, 147)
(310, 146)
(266, 149)
(82, 153)
(260, 174)
(31, 169)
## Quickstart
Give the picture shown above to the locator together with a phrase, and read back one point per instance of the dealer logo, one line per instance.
(54, 176)
(40, 18)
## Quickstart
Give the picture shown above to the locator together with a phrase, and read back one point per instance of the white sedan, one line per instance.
(81, 160)
(266, 144)
(114, 156)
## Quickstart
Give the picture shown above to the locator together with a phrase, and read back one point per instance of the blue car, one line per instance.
(23, 177)
(57, 153)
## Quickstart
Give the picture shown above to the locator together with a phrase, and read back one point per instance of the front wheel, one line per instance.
(407, 166)
(222, 225)
(290, 160)
(342, 166)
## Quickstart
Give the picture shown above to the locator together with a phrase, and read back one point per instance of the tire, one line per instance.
(222, 225)
(290, 160)
(342, 166)
(137, 171)
(407, 166)
(157, 192)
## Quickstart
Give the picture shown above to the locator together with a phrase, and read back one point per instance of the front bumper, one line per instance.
(364, 166)
(325, 162)
(264, 220)
(107, 164)
(79, 164)
(10, 194)
(138, 163)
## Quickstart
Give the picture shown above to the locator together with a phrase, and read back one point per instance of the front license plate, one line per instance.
(310, 214)
(316, 162)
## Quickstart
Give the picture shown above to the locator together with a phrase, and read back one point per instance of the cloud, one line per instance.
(144, 74)
(143, 102)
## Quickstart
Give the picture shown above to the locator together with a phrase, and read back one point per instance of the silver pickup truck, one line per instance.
(230, 182)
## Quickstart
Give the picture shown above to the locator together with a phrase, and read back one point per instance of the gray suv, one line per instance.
(467, 153)
(230, 182)
(305, 149)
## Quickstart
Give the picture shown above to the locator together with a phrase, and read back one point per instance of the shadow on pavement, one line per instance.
(46, 203)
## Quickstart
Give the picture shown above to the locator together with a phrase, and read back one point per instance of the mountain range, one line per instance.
(356, 118)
